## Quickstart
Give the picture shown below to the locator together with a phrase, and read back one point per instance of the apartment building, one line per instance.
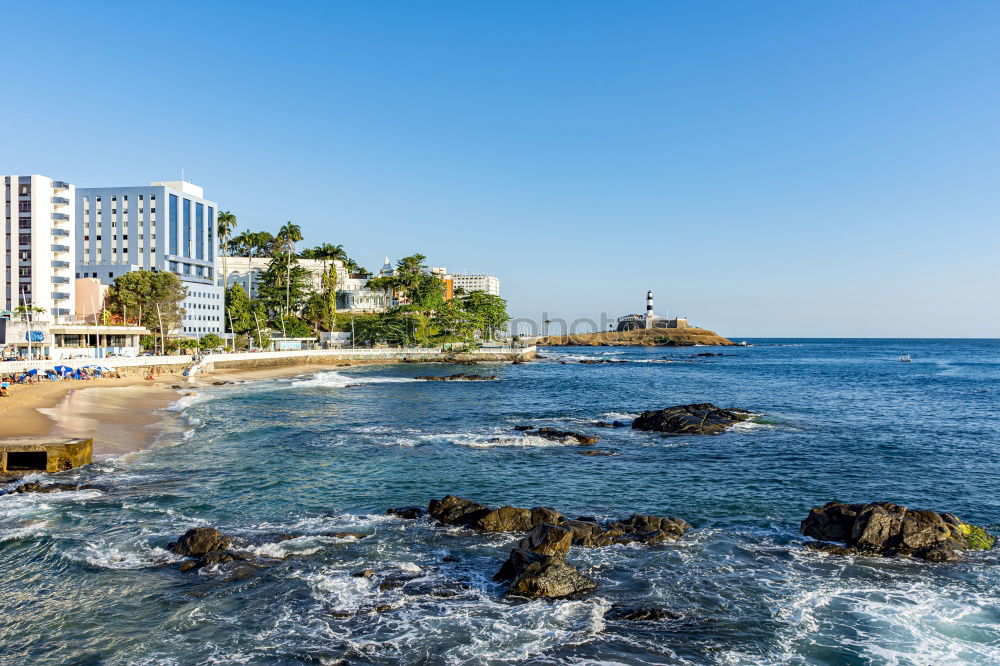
(37, 263)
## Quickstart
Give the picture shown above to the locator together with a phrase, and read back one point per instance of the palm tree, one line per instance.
(226, 224)
(287, 237)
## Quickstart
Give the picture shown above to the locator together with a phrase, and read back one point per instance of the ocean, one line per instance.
(87, 579)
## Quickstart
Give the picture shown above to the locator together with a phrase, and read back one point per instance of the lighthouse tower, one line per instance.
(649, 310)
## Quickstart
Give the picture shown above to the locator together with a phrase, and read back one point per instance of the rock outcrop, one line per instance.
(619, 613)
(460, 377)
(698, 419)
(888, 530)
(536, 576)
(205, 546)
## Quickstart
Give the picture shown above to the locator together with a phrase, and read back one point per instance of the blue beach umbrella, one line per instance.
(63, 369)
(33, 372)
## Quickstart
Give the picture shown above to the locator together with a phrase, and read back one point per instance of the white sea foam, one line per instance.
(334, 379)
(107, 556)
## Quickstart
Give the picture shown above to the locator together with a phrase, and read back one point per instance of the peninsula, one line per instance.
(639, 337)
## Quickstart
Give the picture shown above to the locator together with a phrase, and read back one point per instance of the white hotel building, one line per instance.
(166, 226)
(36, 257)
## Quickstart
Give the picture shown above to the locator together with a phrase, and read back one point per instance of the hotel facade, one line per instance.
(165, 226)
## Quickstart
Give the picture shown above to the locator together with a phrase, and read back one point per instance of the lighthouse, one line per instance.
(649, 310)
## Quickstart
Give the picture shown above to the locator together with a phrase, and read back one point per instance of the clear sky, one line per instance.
(767, 168)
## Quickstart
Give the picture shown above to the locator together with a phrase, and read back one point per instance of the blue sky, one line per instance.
(767, 168)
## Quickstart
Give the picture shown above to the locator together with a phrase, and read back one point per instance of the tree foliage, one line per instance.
(136, 295)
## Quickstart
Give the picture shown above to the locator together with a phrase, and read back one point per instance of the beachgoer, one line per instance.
(149, 377)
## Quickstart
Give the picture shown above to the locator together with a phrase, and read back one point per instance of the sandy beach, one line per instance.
(120, 414)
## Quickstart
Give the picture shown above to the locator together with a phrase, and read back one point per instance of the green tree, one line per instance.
(225, 222)
(287, 237)
(212, 341)
(284, 287)
(487, 312)
(295, 327)
(153, 298)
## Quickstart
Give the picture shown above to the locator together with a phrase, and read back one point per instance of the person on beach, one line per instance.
(149, 377)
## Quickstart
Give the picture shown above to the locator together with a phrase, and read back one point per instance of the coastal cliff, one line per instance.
(654, 337)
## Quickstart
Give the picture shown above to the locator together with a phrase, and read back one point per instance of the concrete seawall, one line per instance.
(215, 362)
(34, 456)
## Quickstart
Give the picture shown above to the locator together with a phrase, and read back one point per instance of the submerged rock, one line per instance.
(610, 424)
(524, 428)
(698, 419)
(566, 435)
(460, 377)
(36, 487)
(600, 361)
(887, 530)
(619, 612)
(597, 452)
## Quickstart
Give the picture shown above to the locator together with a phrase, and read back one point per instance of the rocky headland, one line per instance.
(643, 337)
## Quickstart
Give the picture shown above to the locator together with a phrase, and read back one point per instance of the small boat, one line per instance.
(905, 358)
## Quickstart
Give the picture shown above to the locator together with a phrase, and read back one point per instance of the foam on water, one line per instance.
(334, 379)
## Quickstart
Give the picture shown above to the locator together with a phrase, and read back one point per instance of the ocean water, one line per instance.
(86, 578)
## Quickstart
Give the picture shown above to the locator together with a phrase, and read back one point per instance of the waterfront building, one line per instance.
(45, 338)
(37, 262)
(165, 226)
(468, 282)
(246, 272)
(649, 319)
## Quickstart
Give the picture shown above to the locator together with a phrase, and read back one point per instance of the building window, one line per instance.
(199, 230)
(186, 239)
(173, 225)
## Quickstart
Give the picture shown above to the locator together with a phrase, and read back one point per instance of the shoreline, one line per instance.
(126, 415)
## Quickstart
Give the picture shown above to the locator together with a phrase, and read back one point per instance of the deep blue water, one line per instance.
(86, 579)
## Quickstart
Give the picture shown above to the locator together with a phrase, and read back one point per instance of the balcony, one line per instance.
(60, 201)
(60, 264)
(60, 248)
(60, 232)
(60, 217)
(60, 185)
(59, 296)
(60, 280)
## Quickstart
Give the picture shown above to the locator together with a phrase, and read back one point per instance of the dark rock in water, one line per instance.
(546, 539)
(618, 612)
(452, 510)
(524, 428)
(397, 581)
(460, 377)
(542, 576)
(827, 547)
(364, 573)
(649, 530)
(709, 354)
(610, 424)
(177, 386)
(346, 535)
(220, 383)
(450, 558)
(505, 519)
(699, 419)
(563, 435)
(36, 487)
(888, 530)
(601, 361)
(407, 512)
(597, 452)
(199, 541)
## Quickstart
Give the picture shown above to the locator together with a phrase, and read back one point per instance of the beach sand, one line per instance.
(120, 414)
